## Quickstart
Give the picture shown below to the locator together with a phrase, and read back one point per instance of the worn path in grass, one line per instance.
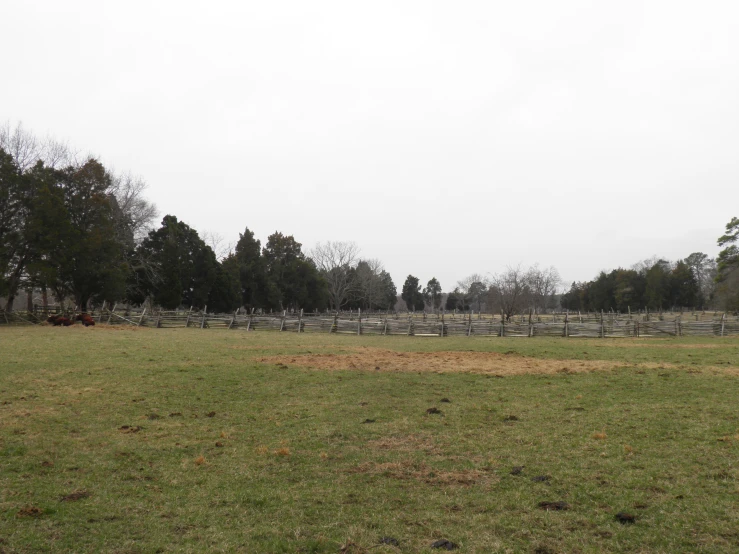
(185, 441)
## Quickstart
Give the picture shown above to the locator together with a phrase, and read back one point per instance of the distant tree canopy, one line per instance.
(659, 285)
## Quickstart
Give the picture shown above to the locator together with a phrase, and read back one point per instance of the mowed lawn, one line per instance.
(189, 440)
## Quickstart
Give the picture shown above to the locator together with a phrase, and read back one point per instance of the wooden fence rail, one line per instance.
(601, 325)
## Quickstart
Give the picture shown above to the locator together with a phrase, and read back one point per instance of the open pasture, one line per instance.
(144, 440)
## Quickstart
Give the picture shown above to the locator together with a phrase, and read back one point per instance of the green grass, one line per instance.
(417, 477)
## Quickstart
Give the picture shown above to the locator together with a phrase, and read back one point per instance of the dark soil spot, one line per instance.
(377, 368)
(47, 464)
(558, 505)
(433, 411)
(73, 497)
(625, 518)
(152, 417)
(30, 511)
(175, 414)
(445, 400)
(129, 429)
(363, 403)
(517, 470)
(390, 540)
(444, 544)
(510, 418)
(369, 421)
(543, 550)
(541, 478)
(640, 506)
(210, 414)
(219, 444)
(603, 534)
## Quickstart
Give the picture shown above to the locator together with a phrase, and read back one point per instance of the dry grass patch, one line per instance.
(377, 359)
(404, 443)
(421, 472)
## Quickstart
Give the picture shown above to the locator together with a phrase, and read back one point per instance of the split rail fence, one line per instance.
(595, 325)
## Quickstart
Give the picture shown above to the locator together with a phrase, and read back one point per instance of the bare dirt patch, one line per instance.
(377, 359)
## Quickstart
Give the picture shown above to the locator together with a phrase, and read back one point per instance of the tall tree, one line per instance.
(704, 270)
(727, 276)
(225, 295)
(15, 200)
(390, 293)
(186, 266)
(684, 291)
(658, 289)
(293, 281)
(252, 273)
(412, 293)
(432, 293)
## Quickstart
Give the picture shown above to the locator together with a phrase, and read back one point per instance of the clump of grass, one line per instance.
(200, 460)
(599, 436)
(284, 451)
(261, 449)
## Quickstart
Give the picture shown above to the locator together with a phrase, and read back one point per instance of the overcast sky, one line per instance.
(445, 138)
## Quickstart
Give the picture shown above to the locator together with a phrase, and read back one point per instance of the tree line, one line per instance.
(76, 230)
(697, 281)
(72, 228)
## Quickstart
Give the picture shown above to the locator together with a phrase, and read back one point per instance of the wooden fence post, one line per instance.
(567, 323)
(282, 323)
(723, 323)
(187, 322)
(142, 317)
(359, 321)
(602, 326)
(300, 320)
(110, 314)
(248, 325)
(233, 319)
(202, 321)
(469, 325)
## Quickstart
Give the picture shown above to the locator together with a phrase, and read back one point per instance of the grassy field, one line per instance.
(188, 440)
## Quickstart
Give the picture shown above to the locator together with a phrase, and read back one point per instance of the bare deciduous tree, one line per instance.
(334, 259)
(509, 290)
(26, 149)
(218, 244)
(139, 213)
(369, 285)
(474, 288)
(543, 284)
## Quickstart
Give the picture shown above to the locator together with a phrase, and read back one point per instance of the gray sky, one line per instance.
(445, 138)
